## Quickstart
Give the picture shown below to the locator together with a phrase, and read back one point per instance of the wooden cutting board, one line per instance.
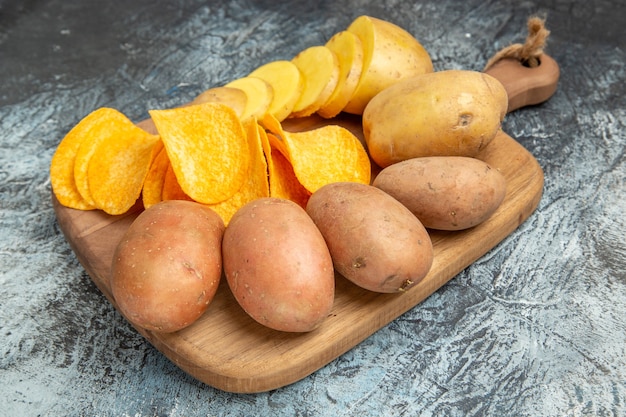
(228, 350)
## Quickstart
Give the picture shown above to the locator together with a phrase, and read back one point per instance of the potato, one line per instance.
(445, 113)
(374, 241)
(445, 192)
(278, 266)
(390, 54)
(167, 267)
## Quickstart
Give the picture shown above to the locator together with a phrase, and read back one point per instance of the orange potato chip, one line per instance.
(208, 149)
(153, 183)
(118, 166)
(62, 163)
(283, 181)
(324, 155)
(97, 127)
(171, 187)
(256, 184)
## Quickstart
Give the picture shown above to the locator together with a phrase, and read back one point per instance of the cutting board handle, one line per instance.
(526, 86)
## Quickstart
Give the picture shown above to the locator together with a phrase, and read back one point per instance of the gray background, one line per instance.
(534, 328)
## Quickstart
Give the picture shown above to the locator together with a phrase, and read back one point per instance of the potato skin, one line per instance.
(444, 113)
(445, 192)
(167, 267)
(374, 241)
(278, 266)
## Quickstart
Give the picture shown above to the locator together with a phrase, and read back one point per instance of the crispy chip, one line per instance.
(171, 187)
(118, 166)
(62, 164)
(324, 155)
(96, 128)
(283, 181)
(273, 126)
(153, 184)
(208, 149)
(257, 183)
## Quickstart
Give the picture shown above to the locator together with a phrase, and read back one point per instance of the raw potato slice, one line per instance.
(390, 55)
(208, 149)
(232, 97)
(349, 51)
(256, 184)
(319, 67)
(118, 167)
(259, 95)
(287, 83)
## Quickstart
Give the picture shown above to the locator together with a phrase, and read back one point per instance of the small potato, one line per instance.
(444, 113)
(167, 267)
(445, 192)
(278, 266)
(374, 241)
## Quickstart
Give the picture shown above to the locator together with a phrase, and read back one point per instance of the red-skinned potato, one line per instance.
(167, 267)
(374, 240)
(278, 266)
(445, 192)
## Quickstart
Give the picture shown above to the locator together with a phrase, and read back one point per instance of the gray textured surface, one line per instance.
(534, 328)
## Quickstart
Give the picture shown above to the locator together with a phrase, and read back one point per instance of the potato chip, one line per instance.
(324, 155)
(171, 187)
(208, 149)
(257, 183)
(273, 126)
(97, 127)
(153, 183)
(283, 181)
(62, 163)
(118, 166)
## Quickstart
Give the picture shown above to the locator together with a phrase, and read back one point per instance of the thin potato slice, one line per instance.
(283, 181)
(257, 183)
(232, 97)
(62, 164)
(349, 51)
(272, 125)
(327, 154)
(319, 67)
(118, 167)
(171, 188)
(153, 183)
(208, 149)
(97, 127)
(287, 83)
(259, 94)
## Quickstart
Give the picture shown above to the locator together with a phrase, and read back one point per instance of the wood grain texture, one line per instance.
(227, 349)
